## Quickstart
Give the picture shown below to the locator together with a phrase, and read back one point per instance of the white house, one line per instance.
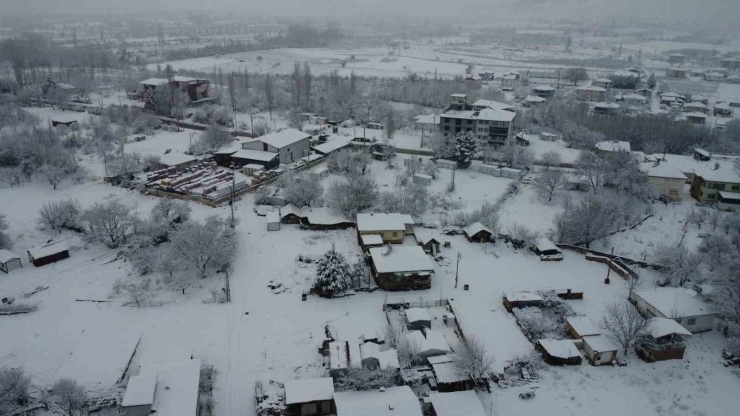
(664, 179)
(676, 303)
(289, 144)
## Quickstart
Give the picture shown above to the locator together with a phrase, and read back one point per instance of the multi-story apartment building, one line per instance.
(490, 121)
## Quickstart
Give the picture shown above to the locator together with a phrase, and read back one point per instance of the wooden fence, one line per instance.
(417, 304)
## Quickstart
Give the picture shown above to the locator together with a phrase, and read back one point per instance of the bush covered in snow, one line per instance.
(333, 273)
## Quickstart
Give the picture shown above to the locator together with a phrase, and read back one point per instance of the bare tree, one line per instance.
(715, 218)
(111, 222)
(269, 94)
(623, 323)
(678, 264)
(550, 159)
(354, 195)
(472, 358)
(213, 138)
(203, 244)
(549, 183)
(585, 222)
(15, 389)
(697, 216)
(591, 167)
(359, 379)
(4, 239)
(137, 292)
(71, 395)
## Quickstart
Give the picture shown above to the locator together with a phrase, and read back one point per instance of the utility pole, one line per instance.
(454, 169)
(251, 123)
(231, 200)
(609, 269)
(457, 268)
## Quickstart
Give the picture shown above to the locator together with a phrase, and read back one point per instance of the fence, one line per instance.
(417, 304)
(621, 261)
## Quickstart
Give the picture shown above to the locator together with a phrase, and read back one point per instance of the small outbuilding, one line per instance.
(374, 358)
(9, 261)
(417, 318)
(310, 397)
(318, 173)
(522, 299)
(49, 253)
(427, 240)
(559, 351)
(139, 396)
(386, 401)
(371, 240)
(422, 179)
(599, 349)
(250, 168)
(450, 379)
(273, 221)
(547, 250)
(682, 305)
(430, 343)
(664, 339)
(580, 326)
(478, 233)
(446, 164)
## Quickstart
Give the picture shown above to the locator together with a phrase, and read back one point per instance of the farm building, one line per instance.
(318, 218)
(288, 144)
(179, 161)
(386, 401)
(244, 157)
(449, 378)
(599, 349)
(49, 253)
(521, 299)
(664, 179)
(310, 397)
(446, 164)
(373, 357)
(580, 326)
(427, 240)
(422, 179)
(547, 250)
(319, 172)
(430, 343)
(559, 351)
(391, 227)
(478, 233)
(139, 397)
(401, 267)
(664, 339)
(417, 318)
(676, 303)
(9, 261)
(457, 403)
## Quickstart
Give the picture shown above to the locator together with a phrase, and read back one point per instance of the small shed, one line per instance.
(250, 168)
(547, 250)
(49, 253)
(702, 155)
(417, 318)
(664, 339)
(450, 379)
(370, 240)
(599, 349)
(559, 351)
(139, 396)
(427, 241)
(446, 164)
(310, 397)
(319, 173)
(430, 343)
(273, 221)
(348, 123)
(9, 261)
(422, 179)
(521, 299)
(478, 233)
(580, 326)
(373, 357)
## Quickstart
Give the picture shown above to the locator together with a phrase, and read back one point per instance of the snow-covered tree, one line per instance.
(412, 199)
(430, 168)
(60, 214)
(360, 270)
(549, 183)
(15, 389)
(472, 358)
(466, 147)
(623, 323)
(360, 379)
(575, 75)
(358, 192)
(170, 211)
(442, 145)
(122, 165)
(592, 168)
(201, 245)
(110, 222)
(697, 216)
(550, 159)
(517, 157)
(520, 235)
(213, 138)
(305, 192)
(333, 273)
(4, 239)
(678, 264)
(585, 221)
(71, 395)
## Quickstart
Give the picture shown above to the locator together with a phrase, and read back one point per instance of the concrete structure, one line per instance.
(289, 144)
(681, 305)
(599, 349)
(9, 261)
(591, 93)
(664, 179)
(490, 122)
(49, 253)
(391, 227)
(310, 397)
(510, 81)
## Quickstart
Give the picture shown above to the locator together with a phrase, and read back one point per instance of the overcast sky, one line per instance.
(708, 13)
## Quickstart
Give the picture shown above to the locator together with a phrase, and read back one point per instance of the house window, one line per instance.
(598, 357)
(394, 233)
(458, 129)
(692, 321)
(458, 122)
(719, 186)
(736, 187)
(447, 128)
(470, 121)
(711, 196)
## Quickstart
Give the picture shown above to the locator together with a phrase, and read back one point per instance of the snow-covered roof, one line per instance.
(633, 96)
(560, 348)
(140, 391)
(495, 115)
(544, 88)
(386, 359)
(475, 228)
(154, 81)
(254, 155)
(523, 296)
(605, 80)
(283, 138)
(424, 236)
(253, 166)
(417, 315)
(371, 240)
(725, 173)
(702, 152)
(534, 99)
(48, 249)
(591, 88)
(318, 215)
(383, 222)
(583, 326)
(439, 359)
(494, 105)
(174, 159)
(393, 401)
(459, 403)
(177, 387)
(332, 145)
(544, 244)
(180, 78)
(427, 119)
(600, 343)
(660, 327)
(7, 255)
(675, 302)
(722, 106)
(695, 114)
(310, 390)
(730, 195)
(401, 259)
(447, 373)
(662, 170)
(434, 342)
(695, 104)
(607, 105)
(273, 217)
(613, 146)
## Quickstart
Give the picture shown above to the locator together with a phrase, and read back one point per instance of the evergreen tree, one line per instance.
(466, 147)
(651, 80)
(333, 273)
